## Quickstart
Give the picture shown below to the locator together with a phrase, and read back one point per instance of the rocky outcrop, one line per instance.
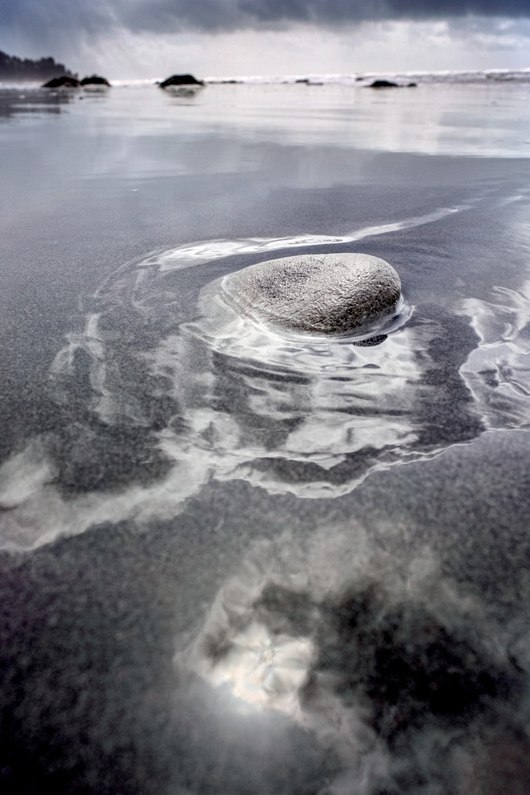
(64, 81)
(383, 84)
(95, 80)
(322, 293)
(390, 84)
(180, 80)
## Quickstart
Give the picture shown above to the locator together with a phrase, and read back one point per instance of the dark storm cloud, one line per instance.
(48, 19)
(239, 14)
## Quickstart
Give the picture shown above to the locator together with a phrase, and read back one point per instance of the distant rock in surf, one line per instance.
(390, 84)
(95, 80)
(180, 80)
(383, 84)
(322, 293)
(64, 81)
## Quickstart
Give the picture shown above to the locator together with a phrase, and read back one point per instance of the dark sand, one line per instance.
(239, 562)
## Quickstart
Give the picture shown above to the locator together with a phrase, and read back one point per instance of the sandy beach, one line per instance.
(238, 561)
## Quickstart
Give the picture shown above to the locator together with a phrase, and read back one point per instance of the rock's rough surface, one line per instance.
(321, 293)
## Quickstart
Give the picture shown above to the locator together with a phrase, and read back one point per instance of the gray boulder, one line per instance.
(321, 293)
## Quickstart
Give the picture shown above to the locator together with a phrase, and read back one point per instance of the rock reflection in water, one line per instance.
(24, 101)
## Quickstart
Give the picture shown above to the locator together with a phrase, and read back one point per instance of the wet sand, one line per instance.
(235, 560)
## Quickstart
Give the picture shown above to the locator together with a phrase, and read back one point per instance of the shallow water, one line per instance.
(237, 560)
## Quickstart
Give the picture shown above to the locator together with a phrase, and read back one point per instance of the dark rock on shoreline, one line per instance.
(180, 80)
(65, 81)
(390, 84)
(383, 84)
(95, 80)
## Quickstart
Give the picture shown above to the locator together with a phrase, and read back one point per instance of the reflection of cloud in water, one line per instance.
(498, 371)
(35, 509)
(158, 401)
(394, 670)
(264, 671)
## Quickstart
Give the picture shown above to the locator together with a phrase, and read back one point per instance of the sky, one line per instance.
(135, 39)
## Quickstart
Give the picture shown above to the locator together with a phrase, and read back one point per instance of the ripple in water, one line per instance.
(292, 413)
(498, 370)
(167, 387)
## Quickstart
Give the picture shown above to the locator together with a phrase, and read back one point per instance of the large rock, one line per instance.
(322, 293)
(390, 84)
(180, 80)
(64, 81)
(383, 84)
(95, 80)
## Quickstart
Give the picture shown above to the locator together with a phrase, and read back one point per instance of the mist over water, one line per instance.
(237, 559)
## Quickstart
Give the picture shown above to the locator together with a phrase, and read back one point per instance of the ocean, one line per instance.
(235, 560)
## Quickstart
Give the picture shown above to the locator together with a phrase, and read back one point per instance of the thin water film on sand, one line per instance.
(243, 559)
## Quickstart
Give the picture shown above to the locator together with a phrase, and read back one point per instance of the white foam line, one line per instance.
(189, 255)
(205, 251)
